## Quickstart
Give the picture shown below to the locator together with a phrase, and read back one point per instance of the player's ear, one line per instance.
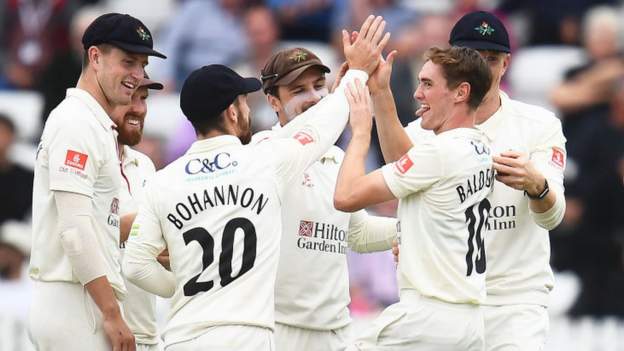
(506, 62)
(275, 103)
(462, 92)
(231, 114)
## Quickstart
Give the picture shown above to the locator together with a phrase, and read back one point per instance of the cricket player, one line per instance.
(218, 208)
(443, 183)
(312, 286)
(527, 201)
(75, 258)
(139, 306)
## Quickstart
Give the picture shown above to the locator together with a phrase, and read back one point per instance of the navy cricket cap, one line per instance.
(122, 31)
(480, 30)
(209, 90)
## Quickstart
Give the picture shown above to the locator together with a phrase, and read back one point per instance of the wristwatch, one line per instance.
(540, 195)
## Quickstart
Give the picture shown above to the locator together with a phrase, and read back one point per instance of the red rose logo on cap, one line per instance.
(76, 159)
(404, 164)
(303, 138)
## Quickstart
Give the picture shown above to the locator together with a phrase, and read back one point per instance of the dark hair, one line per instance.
(460, 64)
(7, 122)
(104, 48)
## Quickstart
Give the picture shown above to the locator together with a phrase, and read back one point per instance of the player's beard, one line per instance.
(244, 129)
(129, 135)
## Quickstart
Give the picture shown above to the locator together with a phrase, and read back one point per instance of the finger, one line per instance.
(372, 31)
(383, 42)
(345, 39)
(379, 32)
(504, 169)
(365, 26)
(511, 162)
(354, 36)
(391, 56)
(349, 96)
(511, 154)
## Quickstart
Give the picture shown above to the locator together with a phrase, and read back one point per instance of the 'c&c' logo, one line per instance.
(220, 161)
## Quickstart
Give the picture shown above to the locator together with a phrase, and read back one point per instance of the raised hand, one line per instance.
(364, 52)
(380, 79)
(360, 116)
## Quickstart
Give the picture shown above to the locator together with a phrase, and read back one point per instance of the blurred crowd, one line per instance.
(566, 57)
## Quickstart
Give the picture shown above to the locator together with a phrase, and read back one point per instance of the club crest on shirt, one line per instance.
(404, 164)
(558, 157)
(76, 159)
(307, 180)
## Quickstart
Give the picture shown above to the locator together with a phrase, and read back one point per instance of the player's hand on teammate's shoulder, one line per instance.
(364, 52)
(516, 170)
(118, 333)
(360, 114)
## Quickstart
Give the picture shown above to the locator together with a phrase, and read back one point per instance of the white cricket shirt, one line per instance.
(443, 183)
(218, 211)
(77, 153)
(517, 248)
(139, 306)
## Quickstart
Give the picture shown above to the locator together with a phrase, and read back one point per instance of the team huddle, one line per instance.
(246, 235)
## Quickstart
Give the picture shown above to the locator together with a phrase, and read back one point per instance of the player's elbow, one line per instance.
(345, 203)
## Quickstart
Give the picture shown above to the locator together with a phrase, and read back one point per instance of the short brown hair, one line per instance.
(104, 48)
(460, 64)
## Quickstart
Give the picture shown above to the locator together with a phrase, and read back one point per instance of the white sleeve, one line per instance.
(145, 243)
(549, 157)
(316, 131)
(416, 171)
(371, 233)
(74, 160)
(77, 234)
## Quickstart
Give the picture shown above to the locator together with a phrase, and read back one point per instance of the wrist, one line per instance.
(538, 190)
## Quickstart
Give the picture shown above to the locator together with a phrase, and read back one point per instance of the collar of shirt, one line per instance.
(461, 131)
(491, 125)
(330, 155)
(94, 106)
(128, 157)
(213, 143)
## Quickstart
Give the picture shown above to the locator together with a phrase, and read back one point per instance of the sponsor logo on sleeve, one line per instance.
(303, 138)
(558, 157)
(404, 164)
(76, 159)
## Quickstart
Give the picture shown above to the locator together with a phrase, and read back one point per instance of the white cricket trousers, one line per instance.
(520, 327)
(418, 323)
(289, 338)
(228, 338)
(63, 316)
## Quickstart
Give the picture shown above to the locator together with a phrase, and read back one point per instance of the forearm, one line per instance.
(149, 275)
(372, 234)
(393, 140)
(327, 119)
(77, 236)
(353, 167)
(549, 211)
(102, 294)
